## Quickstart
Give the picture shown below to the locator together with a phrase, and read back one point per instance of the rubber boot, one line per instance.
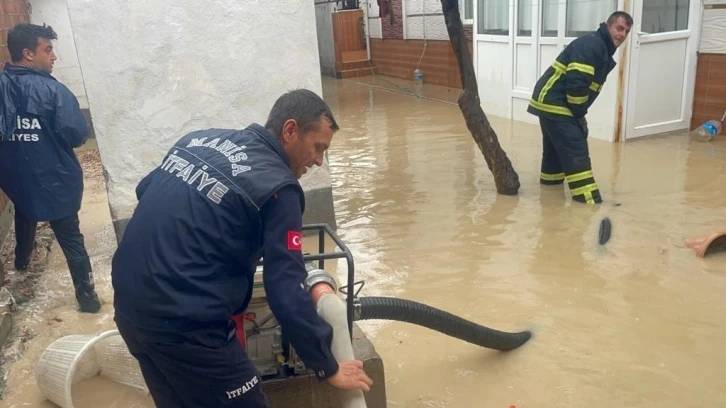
(24, 242)
(82, 276)
(22, 257)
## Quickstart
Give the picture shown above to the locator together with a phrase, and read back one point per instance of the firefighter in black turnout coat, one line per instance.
(561, 99)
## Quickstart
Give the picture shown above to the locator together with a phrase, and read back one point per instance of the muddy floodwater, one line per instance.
(635, 323)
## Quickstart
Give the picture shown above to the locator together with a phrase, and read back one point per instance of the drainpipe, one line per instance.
(366, 21)
(332, 309)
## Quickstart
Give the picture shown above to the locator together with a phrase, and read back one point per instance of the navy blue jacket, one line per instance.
(220, 200)
(40, 124)
(570, 86)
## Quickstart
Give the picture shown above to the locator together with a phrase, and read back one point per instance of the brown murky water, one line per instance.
(636, 323)
(99, 392)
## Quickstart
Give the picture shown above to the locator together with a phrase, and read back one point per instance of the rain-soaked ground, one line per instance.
(634, 323)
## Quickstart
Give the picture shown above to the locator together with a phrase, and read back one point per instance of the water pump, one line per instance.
(274, 357)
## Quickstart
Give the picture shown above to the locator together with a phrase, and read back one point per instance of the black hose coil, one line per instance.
(386, 308)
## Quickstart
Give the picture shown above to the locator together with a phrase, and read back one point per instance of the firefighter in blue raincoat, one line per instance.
(561, 99)
(40, 124)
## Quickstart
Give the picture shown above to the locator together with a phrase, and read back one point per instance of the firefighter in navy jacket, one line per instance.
(561, 99)
(41, 123)
(219, 201)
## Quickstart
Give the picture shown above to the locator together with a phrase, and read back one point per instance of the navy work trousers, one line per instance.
(67, 231)
(194, 370)
(565, 156)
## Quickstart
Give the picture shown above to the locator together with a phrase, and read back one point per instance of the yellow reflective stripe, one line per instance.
(550, 83)
(576, 66)
(588, 198)
(557, 110)
(595, 87)
(552, 177)
(577, 100)
(572, 178)
(584, 189)
(560, 69)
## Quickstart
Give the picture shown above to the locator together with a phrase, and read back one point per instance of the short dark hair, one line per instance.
(303, 106)
(26, 35)
(620, 14)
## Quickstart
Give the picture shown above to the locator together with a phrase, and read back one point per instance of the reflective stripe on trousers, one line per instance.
(565, 156)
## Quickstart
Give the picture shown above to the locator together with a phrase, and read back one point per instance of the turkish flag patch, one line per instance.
(294, 241)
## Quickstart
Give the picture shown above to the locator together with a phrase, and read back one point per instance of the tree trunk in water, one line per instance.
(505, 178)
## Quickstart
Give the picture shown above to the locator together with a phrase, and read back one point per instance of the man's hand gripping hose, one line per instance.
(350, 377)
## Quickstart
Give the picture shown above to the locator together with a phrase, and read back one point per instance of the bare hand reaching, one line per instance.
(351, 376)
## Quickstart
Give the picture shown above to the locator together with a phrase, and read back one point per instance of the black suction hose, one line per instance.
(386, 308)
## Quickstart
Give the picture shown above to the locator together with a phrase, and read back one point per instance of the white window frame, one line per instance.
(462, 12)
(563, 14)
(501, 38)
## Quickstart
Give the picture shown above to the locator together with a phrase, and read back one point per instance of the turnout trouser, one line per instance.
(200, 369)
(565, 156)
(68, 233)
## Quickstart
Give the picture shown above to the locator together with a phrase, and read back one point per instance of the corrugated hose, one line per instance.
(408, 311)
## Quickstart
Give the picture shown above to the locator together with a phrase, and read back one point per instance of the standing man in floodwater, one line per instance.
(561, 99)
(40, 125)
(220, 200)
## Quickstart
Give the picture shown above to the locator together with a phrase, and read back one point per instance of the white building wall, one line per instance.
(494, 76)
(713, 34)
(324, 26)
(424, 19)
(155, 70)
(67, 70)
(372, 12)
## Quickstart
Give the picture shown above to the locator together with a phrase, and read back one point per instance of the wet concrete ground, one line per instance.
(636, 323)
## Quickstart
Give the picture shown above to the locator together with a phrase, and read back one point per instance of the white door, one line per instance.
(662, 66)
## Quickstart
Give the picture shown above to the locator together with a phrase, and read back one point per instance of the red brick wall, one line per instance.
(468, 31)
(395, 30)
(394, 56)
(398, 58)
(12, 12)
(709, 101)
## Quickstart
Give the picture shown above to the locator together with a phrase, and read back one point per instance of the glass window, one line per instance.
(524, 19)
(493, 17)
(550, 18)
(663, 16)
(468, 9)
(584, 17)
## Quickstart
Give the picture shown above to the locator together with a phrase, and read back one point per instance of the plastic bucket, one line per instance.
(75, 358)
